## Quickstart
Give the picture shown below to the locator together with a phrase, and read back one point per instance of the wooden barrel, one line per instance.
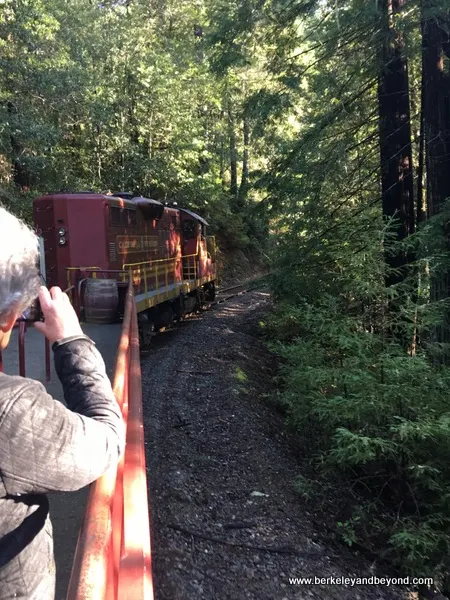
(101, 300)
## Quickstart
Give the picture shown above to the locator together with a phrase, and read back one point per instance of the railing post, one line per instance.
(166, 272)
(76, 296)
(47, 361)
(145, 281)
(22, 326)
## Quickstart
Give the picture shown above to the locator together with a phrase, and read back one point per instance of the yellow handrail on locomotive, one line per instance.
(190, 267)
(93, 269)
(133, 267)
(126, 266)
(130, 269)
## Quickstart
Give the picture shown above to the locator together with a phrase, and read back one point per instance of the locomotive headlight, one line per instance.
(62, 241)
(61, 231)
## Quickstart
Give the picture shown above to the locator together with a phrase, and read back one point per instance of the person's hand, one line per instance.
(61, 320)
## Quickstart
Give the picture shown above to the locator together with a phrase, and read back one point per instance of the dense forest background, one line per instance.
(314, 134)
(125, 96)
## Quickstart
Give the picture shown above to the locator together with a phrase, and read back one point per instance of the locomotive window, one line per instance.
(174, 222)
(120, 217)
(131, 218)
(115, 216)
(189, 230)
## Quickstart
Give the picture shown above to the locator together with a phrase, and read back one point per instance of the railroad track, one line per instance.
(223, 295)
(227, 293)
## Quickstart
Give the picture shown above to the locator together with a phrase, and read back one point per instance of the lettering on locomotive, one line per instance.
(136, 243)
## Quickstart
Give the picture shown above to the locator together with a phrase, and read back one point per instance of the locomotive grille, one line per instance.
(112, 252)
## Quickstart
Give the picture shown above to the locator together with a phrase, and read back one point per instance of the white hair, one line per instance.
(19, 274)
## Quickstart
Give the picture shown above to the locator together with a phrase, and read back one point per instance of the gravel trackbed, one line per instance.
(226, 521)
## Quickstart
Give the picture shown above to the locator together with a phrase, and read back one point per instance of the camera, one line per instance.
(33, 313)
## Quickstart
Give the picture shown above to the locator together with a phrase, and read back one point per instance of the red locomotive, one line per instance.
(96, 242)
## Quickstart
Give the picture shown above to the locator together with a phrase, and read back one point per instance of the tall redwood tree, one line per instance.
(436, 82)
(395, 137)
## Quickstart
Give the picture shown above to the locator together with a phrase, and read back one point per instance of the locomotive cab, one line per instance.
(194, 242)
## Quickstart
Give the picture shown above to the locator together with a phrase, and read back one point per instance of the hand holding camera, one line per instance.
(61, 320)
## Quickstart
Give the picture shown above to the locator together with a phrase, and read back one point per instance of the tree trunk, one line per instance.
(233, 151)
(150, 135)
(244, 179)
(395, 140)
(132, 108)
(99, 152)
(21, 175)
(436, 52)
(421, 210)
(420, 213)
(436, 76)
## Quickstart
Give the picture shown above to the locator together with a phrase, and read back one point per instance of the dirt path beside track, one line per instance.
(226, 522)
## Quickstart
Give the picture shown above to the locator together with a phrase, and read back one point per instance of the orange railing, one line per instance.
(113, 559)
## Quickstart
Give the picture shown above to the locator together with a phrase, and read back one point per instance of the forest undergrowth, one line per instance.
(371, 414)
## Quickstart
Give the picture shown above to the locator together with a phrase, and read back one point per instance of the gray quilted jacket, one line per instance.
(46, 447)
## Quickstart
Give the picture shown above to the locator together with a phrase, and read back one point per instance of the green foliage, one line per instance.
(240, 375)
(347, 530)
(120, 96)
(368, 411)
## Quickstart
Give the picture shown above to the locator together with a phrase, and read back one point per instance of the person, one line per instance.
(44, 445)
